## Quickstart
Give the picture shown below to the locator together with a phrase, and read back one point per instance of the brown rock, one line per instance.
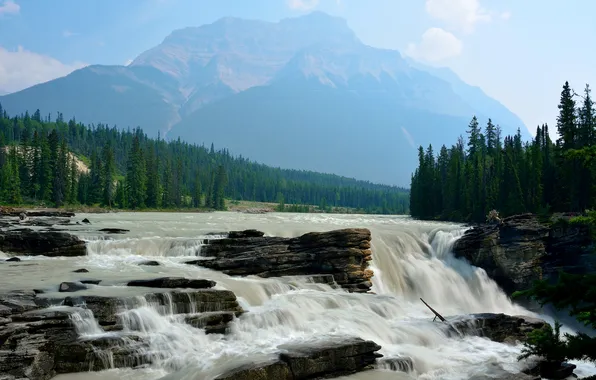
(344, 254)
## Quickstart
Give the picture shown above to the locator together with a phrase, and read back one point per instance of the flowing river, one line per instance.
(411, 259)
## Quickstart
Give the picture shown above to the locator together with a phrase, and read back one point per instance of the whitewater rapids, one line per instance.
(411, 260)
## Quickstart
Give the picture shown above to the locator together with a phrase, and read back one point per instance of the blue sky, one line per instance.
(519, 52)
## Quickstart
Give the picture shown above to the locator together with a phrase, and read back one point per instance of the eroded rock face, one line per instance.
(521, 250)
(342, 253)
(47, 243)
(332, 358)
(500, 328)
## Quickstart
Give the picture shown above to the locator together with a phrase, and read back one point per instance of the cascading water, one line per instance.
(411, 260)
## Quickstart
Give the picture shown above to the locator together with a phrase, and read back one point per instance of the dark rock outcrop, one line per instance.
(114, 230)
(500, 328)
(13, 260)
(342, 253)
(523, 249)
(325, 359)
(47, 243)
(213, 322)
(151, 263)
(173, 282)
(82, 270)
(69, 287)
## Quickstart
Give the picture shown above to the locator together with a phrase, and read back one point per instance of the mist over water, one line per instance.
(411, 259)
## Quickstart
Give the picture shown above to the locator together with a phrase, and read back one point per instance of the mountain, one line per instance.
(301, 93)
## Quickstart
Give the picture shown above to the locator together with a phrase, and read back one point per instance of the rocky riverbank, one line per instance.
(522, 249)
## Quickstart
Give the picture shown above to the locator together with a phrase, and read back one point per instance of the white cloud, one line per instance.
(436, 45)
(22, 68)
(458, 14)
(506, 15)
(9, 7)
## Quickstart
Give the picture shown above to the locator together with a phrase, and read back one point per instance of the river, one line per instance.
(411, 259)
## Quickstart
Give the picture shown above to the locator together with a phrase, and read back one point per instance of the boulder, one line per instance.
(47, 243)
(523, 249)
(82, 270)
(12, 259)
(212, 322)
(330, 358)
(151, 263)
(69, 287)
(344, 254)
(173, 282)
(500, 328)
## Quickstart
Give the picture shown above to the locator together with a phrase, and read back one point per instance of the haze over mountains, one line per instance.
(303, 93)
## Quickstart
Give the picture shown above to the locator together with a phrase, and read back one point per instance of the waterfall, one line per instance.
(411, 260)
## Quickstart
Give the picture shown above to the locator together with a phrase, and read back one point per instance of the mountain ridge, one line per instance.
(249, 66)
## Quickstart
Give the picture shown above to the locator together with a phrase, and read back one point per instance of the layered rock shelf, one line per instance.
(344, 254)
(522, 249)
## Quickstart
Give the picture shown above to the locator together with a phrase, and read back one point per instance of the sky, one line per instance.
(518, 51)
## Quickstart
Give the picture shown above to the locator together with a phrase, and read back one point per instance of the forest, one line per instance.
(50, 161)
(487, 171)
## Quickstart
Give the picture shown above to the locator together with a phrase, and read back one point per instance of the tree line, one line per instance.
(51, 161)
(488, 172)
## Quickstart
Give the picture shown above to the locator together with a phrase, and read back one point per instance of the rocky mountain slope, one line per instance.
(302, 93)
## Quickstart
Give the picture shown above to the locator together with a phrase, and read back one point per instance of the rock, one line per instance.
(173, 282)
(245, 234)
(552, 370)
(344, 254)
(71, 287)
(105, 309)
(330, 358)
(13, 259)
(86, 221)
(151, 263)
(82, 270)
(213, 323)
(522, 249)
(47, 243)
(500, 328)
(90, 282)
(114, 230)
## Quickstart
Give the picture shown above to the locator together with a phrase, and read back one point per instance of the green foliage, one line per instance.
(129, 170)
(466, 181)
(545, 343)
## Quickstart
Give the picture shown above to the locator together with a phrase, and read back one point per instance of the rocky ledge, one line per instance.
(522, 249)
(344, 254)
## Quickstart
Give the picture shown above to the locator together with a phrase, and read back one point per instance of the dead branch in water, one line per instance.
(437, 315)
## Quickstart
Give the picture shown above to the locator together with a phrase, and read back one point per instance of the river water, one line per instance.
(411, 260)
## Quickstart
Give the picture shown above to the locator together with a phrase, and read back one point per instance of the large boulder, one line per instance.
(344, 254)
(523, 249)
(324, 359)
(502, 328)
(36, 243)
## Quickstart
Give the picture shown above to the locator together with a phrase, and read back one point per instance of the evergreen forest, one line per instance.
(487, 171)
(53, 162)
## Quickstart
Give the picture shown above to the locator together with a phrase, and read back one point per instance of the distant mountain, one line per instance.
(302, 93)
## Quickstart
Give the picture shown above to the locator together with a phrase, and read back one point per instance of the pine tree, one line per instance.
(136, 176)
(107, 175)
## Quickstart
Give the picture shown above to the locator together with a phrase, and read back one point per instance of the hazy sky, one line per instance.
(518, 51)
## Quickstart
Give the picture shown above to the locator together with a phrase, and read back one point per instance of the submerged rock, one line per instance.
(82, 270)
(344, 254)
(173, 282)
(47, 243)
(330, 358)
(151, 263)
(114, 230)
(13, 259)
(71, 287)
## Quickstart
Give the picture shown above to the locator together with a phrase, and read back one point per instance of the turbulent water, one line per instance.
(410, 259)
